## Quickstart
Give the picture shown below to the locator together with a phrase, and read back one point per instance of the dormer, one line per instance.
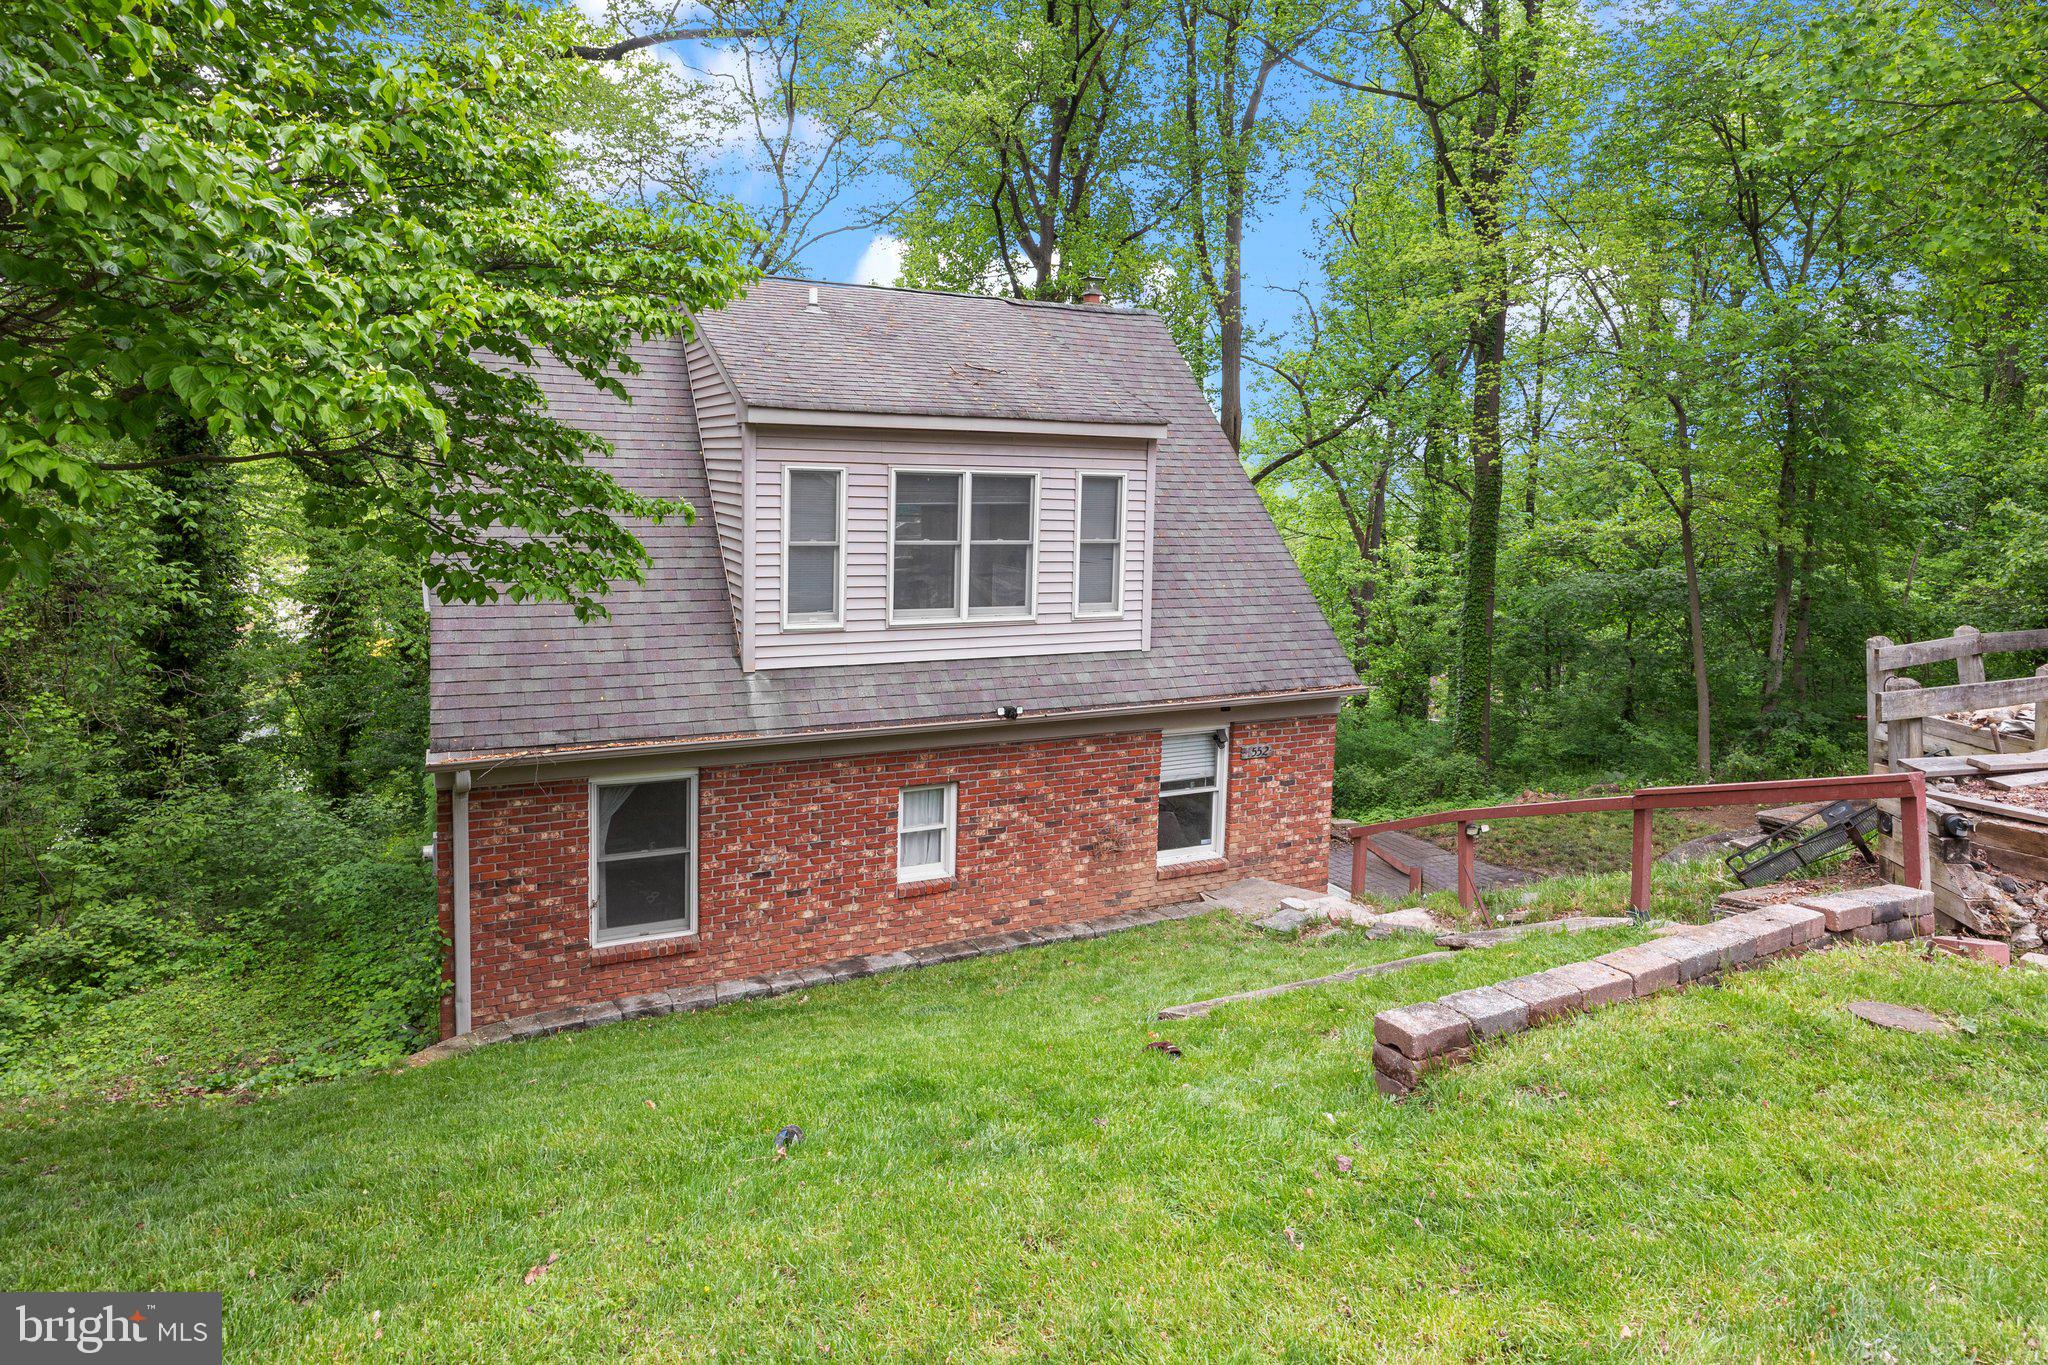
(897, 478)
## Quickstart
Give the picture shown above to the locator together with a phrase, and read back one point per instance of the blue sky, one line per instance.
(1279, 244)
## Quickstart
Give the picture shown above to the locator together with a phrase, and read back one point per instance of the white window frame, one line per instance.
(949, 838)
(1123, 508)
(1219, 815)
(838, 621)
(641, 933)
(961, 613)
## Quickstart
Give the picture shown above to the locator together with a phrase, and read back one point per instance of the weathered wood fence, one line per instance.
(1903, 717)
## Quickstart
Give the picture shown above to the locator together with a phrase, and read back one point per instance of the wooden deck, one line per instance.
(1439, 867)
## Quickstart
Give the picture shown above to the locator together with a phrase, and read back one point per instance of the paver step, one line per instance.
(1413, 1040)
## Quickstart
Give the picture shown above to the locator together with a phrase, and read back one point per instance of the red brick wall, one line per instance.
(797, 860)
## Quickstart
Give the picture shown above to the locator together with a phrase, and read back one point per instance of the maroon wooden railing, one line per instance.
(1908, 788)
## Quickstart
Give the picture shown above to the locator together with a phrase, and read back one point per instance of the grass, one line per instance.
(211, 1030)
(1576, 845)
(1678, 891)
(995, 1166)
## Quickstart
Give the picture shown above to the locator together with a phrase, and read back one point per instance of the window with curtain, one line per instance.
(811, 548)
(1099, 574)
(1191, 795)
(646, 866)
(924, 833)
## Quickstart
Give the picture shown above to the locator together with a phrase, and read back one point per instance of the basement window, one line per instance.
(1191, 794)
(925, 818)
(643, 859)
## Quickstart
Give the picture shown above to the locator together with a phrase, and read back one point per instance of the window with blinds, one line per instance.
(925, 819)
(1099, 554)
(1191, 767)
(645, 861)
(812, 552)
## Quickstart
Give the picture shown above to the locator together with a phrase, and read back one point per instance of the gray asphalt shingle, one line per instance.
(1231, 615)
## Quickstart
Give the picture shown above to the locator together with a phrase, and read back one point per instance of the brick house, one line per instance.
(980, 628)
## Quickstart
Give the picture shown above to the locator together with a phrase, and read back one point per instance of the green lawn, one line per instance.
(996, 1166)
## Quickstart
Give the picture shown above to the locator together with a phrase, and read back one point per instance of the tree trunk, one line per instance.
(199, 546)
(1472, 713)
(1696, 627)
(1781, 589)
(1368, 534)
(1230, 335)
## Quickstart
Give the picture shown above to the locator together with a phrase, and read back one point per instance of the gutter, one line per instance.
(459, 818)
(461, 764)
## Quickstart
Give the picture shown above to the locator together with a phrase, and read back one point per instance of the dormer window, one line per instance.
(813, 546)
(1099, 557)
(963, 538)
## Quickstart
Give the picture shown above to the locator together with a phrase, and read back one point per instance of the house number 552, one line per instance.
(1258, 751)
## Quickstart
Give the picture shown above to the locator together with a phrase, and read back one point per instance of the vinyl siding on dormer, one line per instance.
(718, 427)
(867, 637)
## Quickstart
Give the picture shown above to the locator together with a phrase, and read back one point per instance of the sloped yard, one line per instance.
(994, 1165)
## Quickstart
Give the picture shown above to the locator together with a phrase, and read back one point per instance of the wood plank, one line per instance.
(1912, 703)
(1941, 767)
(1963, 911)
(2009, 763)
(2010, 834)
(2005, 810)
(2017, 864)
(2013, 782)
(1972, 741)
(1950, 898)
(1202, 1007)
(1890, 656)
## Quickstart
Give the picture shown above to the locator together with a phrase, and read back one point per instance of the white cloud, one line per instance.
(881, 263)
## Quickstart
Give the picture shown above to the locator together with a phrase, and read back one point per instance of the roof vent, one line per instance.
(811, 304)
(1091, 289)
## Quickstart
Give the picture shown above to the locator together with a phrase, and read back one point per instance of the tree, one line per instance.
(1026, 146)
(321, 237)
(1218, 129)
(785, 107)
(1478, 85)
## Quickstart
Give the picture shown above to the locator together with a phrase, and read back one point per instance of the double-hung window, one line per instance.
(1099, 570)
(643, 856)
(965, 546)
(813, 548)
(925, 819)
(1191, 792)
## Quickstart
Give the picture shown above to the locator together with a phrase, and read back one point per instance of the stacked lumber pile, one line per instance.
(1412, 1041)
(1997, 883)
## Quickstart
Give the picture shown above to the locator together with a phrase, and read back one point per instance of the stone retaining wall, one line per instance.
(1414, 1040)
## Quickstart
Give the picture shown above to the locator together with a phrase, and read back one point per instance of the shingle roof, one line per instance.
(904, 351)
(1231, 615)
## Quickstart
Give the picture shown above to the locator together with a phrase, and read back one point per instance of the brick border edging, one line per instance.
(1411, 1041)
(684, 999)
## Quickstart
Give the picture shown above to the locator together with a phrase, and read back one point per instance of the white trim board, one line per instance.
(1010, 426)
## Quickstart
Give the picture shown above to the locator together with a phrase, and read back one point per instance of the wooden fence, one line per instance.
(1904, 717)
(1908, 788)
